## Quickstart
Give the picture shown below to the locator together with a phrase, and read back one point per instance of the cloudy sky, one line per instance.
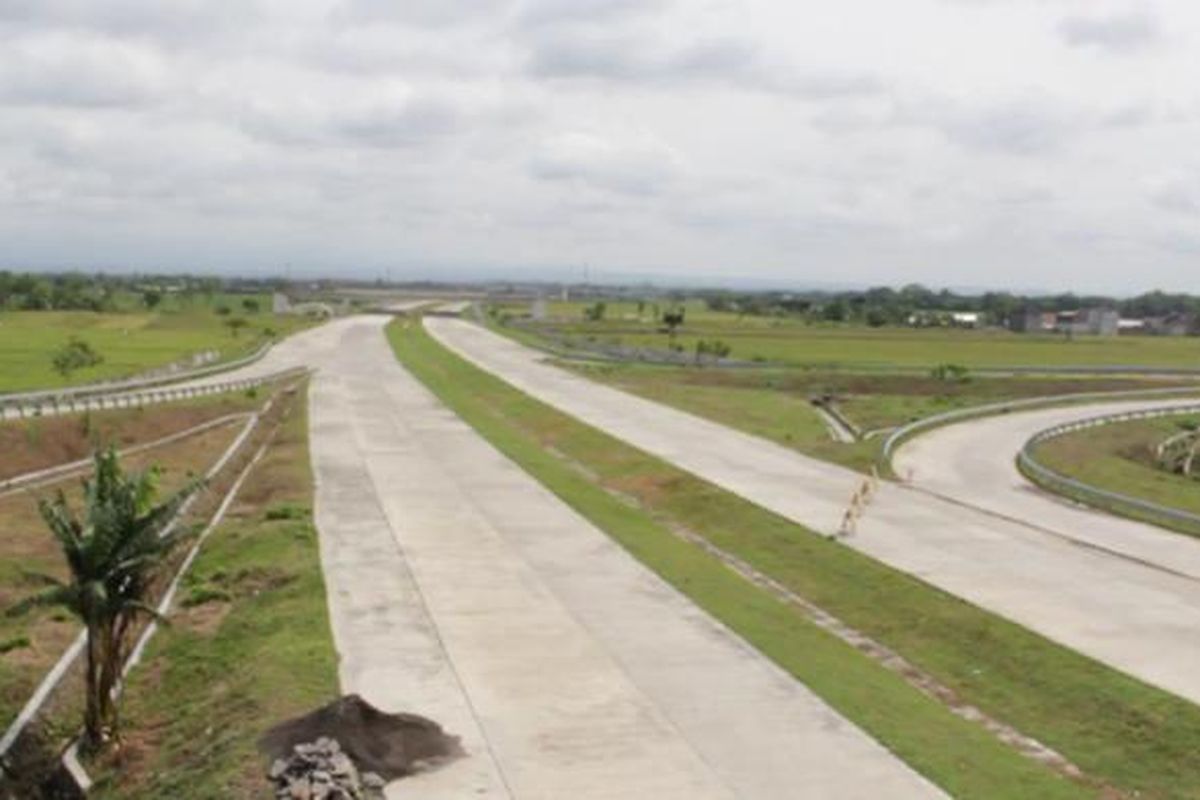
(1029, 144)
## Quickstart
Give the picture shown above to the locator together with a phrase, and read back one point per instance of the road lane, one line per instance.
(462, 589)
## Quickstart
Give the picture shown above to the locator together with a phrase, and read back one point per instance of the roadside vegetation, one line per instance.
(262, 568)
(248, 647)
(36, 640)
(1129, 739)
(1123, 458)
(114, 541)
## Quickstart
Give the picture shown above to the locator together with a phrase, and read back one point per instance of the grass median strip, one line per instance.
(1127, 737)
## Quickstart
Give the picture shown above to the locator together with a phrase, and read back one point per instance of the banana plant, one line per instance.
(114, 547)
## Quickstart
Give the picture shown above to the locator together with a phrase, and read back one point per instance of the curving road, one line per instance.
(975, 463)
(461, 589)
(1135, 617)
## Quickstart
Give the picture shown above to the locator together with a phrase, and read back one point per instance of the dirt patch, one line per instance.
(205, 618)
(42, 442)
(390, 745)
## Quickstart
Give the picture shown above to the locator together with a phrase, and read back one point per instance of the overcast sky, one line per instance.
(1028, 144)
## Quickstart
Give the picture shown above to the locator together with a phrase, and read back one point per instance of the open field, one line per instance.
(775, 403)
(1122, 733)
(1121, 458)
(130, 343)
(791, 341)
(249, 647)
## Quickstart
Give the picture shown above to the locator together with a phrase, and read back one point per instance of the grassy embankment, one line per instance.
(250, 645)
(1126, 736)
(792, 341)
(775, 403)
(130, 343)
(1121, 458)
(30, 644)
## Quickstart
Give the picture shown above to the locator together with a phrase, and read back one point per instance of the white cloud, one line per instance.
(948, 142)
(1122, 33)
(70, 70)
(637, 166)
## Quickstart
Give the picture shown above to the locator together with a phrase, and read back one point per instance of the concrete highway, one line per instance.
(459, 588)
(1136, 617)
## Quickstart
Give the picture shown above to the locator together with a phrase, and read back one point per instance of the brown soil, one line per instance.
(390, 745)
(43, 442)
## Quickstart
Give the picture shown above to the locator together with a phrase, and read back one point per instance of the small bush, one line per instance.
(200, 595)
(14, 643)
(286, 511)
(950, 373)
(75, 354)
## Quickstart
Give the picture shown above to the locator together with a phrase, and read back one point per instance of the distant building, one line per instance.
(945, 319)
(1132, 326)
(1033, 321)
(1100, 322)
(1088, 322)
(1172, 325)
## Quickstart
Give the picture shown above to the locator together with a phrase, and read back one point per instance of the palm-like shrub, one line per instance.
(113, 550)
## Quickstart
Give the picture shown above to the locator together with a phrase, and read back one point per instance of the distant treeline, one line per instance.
(887, 306)
(83, 292)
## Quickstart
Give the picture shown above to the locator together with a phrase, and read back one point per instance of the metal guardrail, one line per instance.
(91, 390)
(938, 420)
(52, 405)
(1090, 495)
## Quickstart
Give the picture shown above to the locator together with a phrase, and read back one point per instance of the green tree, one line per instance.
(251, 305)
(113, 553)
(75, 354)
(235, 325)
(672, 320)
(151, 298)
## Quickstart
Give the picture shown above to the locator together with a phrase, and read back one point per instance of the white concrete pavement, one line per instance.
(1136, 618)
(975, 462)
(461, 589)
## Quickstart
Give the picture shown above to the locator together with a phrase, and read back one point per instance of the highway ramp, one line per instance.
(975, 462)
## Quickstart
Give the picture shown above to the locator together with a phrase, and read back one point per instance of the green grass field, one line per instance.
(1120, 458)
(130, 343)
(792, 341)
(1130, 739)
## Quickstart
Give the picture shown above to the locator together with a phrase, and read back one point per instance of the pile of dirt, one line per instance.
(389, 745)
